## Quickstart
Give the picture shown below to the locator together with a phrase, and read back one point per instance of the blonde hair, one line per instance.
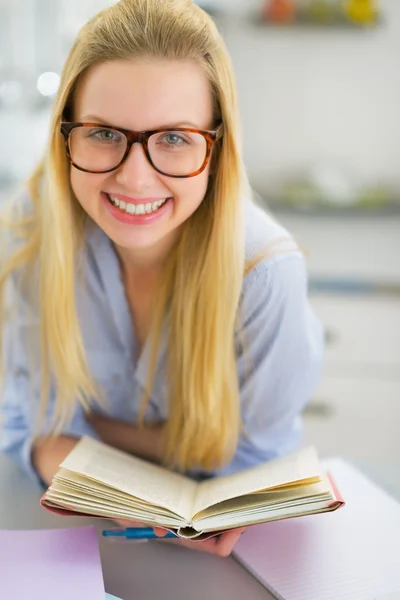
(202, 284)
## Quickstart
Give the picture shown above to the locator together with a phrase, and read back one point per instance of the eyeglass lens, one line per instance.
(173, 152)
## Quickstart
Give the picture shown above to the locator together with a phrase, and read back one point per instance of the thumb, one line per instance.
(160, 531)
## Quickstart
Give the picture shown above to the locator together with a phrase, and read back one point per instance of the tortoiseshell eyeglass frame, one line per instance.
(142, 137)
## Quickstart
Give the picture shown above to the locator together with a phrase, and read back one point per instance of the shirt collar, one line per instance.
(109, 270)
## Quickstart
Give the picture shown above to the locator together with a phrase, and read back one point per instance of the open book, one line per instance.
(98, 480)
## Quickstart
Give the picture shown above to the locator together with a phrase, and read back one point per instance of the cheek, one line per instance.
(190, 192)
(85, 185)
(78, 185)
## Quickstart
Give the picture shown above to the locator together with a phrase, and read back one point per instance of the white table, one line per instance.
(132, 571)
(152, 570)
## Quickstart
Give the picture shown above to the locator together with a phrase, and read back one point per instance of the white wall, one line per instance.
(305, 95)
(312, 94)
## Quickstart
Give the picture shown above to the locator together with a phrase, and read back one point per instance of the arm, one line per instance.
(279, 358)
(47, 454)
(39, 458)
(19, 400)
(145, 442)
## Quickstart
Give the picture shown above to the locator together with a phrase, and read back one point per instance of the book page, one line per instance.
(263, 515)
(99, 493)
(108, 508)
(268, 499)
(298, 466)
(132, 475)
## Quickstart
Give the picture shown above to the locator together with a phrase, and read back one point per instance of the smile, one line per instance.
(136, 209)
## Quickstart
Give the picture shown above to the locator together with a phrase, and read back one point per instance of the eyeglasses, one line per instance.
(180, 152)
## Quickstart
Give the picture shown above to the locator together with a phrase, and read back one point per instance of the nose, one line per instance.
(136, 169)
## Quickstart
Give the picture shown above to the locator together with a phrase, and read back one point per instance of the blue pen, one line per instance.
(137, 533)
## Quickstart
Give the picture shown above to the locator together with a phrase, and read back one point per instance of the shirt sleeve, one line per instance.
(279, 359)
(20, 395)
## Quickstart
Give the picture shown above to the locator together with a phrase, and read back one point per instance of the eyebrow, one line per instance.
(101, 121)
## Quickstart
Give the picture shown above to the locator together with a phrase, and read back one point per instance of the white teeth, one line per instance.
(137, 209)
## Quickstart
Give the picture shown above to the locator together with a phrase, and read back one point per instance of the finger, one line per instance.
(227, 541)
(221, 545)
(159, 531)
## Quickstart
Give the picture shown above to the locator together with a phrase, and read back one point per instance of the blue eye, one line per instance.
(173, 139)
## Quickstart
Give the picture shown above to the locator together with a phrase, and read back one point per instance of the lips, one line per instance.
(136, 213)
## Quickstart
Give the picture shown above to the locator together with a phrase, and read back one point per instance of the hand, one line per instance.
(159, 531)
(146, 442)
(221, 545)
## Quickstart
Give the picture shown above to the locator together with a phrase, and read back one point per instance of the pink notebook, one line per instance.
(350, 554)
(51, 564)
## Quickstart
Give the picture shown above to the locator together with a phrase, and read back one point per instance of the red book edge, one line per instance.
(338, 501)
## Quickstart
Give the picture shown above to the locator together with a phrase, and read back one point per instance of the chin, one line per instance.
(136, 241)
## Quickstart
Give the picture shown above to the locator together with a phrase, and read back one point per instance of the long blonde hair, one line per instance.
(201, 288)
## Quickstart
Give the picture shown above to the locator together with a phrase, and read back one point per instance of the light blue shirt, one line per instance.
(277, 370)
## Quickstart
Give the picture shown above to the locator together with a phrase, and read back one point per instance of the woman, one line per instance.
(154, 306)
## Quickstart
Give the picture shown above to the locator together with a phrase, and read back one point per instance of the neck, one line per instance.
(145, 264)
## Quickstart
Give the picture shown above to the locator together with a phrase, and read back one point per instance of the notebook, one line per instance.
(352, 554)
(51, 563)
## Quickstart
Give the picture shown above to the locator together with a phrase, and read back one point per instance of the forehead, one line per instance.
(145, 94)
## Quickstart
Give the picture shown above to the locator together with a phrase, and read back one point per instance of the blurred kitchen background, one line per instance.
(319, 88)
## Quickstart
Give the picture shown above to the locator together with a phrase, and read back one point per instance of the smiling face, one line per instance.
(142, 95)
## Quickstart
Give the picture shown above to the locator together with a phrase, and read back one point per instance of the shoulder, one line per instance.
(275, 265)
(275, 315)
(265, 236)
